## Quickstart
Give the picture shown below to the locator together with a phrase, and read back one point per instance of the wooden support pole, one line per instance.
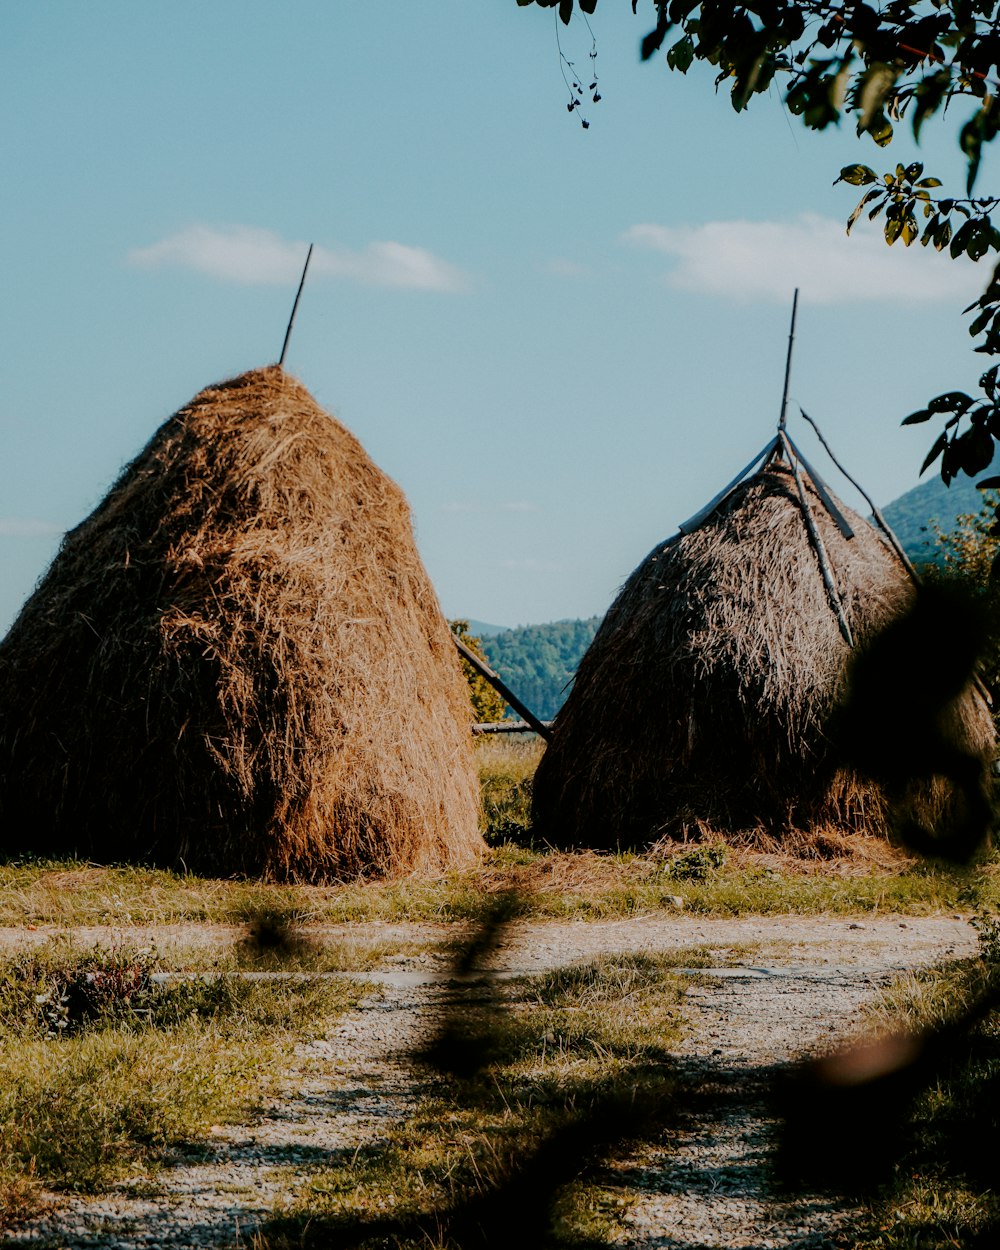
(692, 523)
(818, 546)
(295, 306)
(887, 529)
(498, 684)
(788, 361)
(823, 491)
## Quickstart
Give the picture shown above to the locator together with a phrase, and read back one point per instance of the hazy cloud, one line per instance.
(253, 256)
(767, 259)
(23, 527)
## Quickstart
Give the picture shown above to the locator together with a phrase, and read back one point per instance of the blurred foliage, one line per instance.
(887, 67)
(967, 555)
(487, 705)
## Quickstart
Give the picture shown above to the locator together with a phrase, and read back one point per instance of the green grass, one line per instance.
(566, 1047)
(104, 1071)
(551, 884)
(507, 766)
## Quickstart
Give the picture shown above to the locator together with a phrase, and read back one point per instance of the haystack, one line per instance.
(238, 664)
(701, 707)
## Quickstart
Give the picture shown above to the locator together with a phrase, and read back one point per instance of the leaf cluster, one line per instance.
(907, 58)
(901, 61)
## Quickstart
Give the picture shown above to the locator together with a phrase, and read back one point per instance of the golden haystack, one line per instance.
(701, 707)
(237, 663)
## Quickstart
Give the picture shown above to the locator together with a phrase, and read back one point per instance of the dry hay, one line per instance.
(700, 708)
(238, 664)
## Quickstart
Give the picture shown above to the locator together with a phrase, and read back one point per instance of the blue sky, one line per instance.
(559, 342)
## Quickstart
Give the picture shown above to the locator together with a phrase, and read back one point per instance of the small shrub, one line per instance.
(698, 863)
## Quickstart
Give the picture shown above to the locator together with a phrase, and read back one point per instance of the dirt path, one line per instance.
(707, 1185)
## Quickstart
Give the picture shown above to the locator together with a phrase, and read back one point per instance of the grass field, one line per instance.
(97, 1084)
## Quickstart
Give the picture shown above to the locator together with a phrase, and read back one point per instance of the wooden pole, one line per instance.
(539, 726)
(788, 361)
(897, 546)
(692, 523)
(295, 306)
(818, 546)
(823, 491)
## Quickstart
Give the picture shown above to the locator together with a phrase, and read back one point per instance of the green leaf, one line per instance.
(893, 229)
(873, 88)
(950, 401)
(857, 175)
(940, 443)
(942, 236)
(976, 449)
(961, 238)
(565, 11)
(918, 417)
(980, 240)
(681, 55)
(929, 182)
(881, 131)
(865, 199)
(911, 230)
(989, 483)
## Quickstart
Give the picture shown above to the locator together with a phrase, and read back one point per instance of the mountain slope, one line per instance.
(914, 514)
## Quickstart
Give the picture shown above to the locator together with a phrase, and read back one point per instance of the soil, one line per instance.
(706, 1184)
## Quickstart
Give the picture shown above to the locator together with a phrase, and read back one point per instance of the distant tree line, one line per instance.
(538, 661)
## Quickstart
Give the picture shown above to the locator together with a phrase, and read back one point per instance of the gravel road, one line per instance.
(706, 1185)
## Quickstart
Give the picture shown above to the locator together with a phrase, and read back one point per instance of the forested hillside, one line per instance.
(913, 515)
(537, 661)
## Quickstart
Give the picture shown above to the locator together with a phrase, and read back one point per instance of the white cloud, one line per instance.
(767, 259)
(23, 527)
(254, 256)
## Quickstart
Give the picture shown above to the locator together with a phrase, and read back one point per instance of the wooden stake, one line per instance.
(823, 491)
(897, 546)
(788, 361)
(690, 525)
(295, 306)
(818, 546)
(539, 726)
